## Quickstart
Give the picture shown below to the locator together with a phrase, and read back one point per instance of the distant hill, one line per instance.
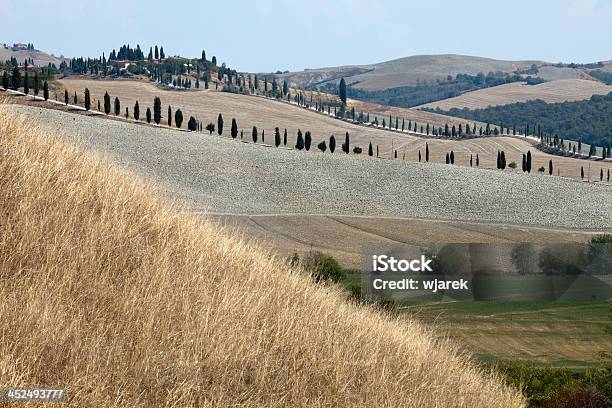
(406, 71)
(550, 92)
(40, 58)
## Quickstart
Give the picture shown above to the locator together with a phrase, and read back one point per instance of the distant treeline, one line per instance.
(589, 121)
(430, 91)
(605, 77)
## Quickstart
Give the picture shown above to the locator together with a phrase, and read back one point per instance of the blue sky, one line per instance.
(269, 35)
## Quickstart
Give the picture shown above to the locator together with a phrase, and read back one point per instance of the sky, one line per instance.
(265, 36)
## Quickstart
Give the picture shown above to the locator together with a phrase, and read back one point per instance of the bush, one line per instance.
(323, 268)
(192, 124)
(559, 387)
(357, 150)
(512, 165)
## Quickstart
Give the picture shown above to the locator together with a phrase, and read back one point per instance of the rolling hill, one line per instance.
(550, 92)
(266, 114)
(40, 58)
(404, 71)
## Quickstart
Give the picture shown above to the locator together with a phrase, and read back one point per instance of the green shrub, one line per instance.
(547, 386)
(512, 165)
(323, 268)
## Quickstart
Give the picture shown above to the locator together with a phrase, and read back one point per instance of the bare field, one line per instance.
(218, 175)
(266, 114)
(550, 92)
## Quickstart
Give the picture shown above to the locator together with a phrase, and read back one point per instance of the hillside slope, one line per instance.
(550, 92)
(112, 293)
(266, 114)
(218, 175)
(404, 71)
(40, 58)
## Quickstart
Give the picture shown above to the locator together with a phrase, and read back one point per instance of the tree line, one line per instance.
(589, 121)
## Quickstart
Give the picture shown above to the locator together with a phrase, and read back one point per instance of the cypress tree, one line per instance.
(447, 159)
(157, 110)
(550, 167)
(26, 84)
(300, 141)
(582, 172)
(192, 124)
(419, 155)
(148, 115)
(346, 142)
(136, 111)
(87, 99)
(5, 80)
(277, 137)
(601, 175)
(36, 84)
(477, 160)
(524, 165)
(342, 91)
(107, 103)
(220, 124)
(285, 138)
(608, 175)
(170, 116)
(332, 143)
(322, 146)
(99, 109)
(254, 134)
(66, 97)
(471, 160)
(528, 161)
(307, 140)
(127, 112)
(426, 152)
(503, 160)
(15, 79)
(452, 157)
(234, 130)
(263, 135)
(75, 100)
(178, 118)
(370, 150)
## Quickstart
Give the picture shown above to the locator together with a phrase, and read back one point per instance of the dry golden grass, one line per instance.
(127, 301)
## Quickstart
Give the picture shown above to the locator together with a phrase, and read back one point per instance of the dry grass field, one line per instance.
(550, 92)
(114, 294)
(267, 114)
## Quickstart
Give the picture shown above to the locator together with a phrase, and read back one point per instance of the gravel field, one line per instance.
(219, 175)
